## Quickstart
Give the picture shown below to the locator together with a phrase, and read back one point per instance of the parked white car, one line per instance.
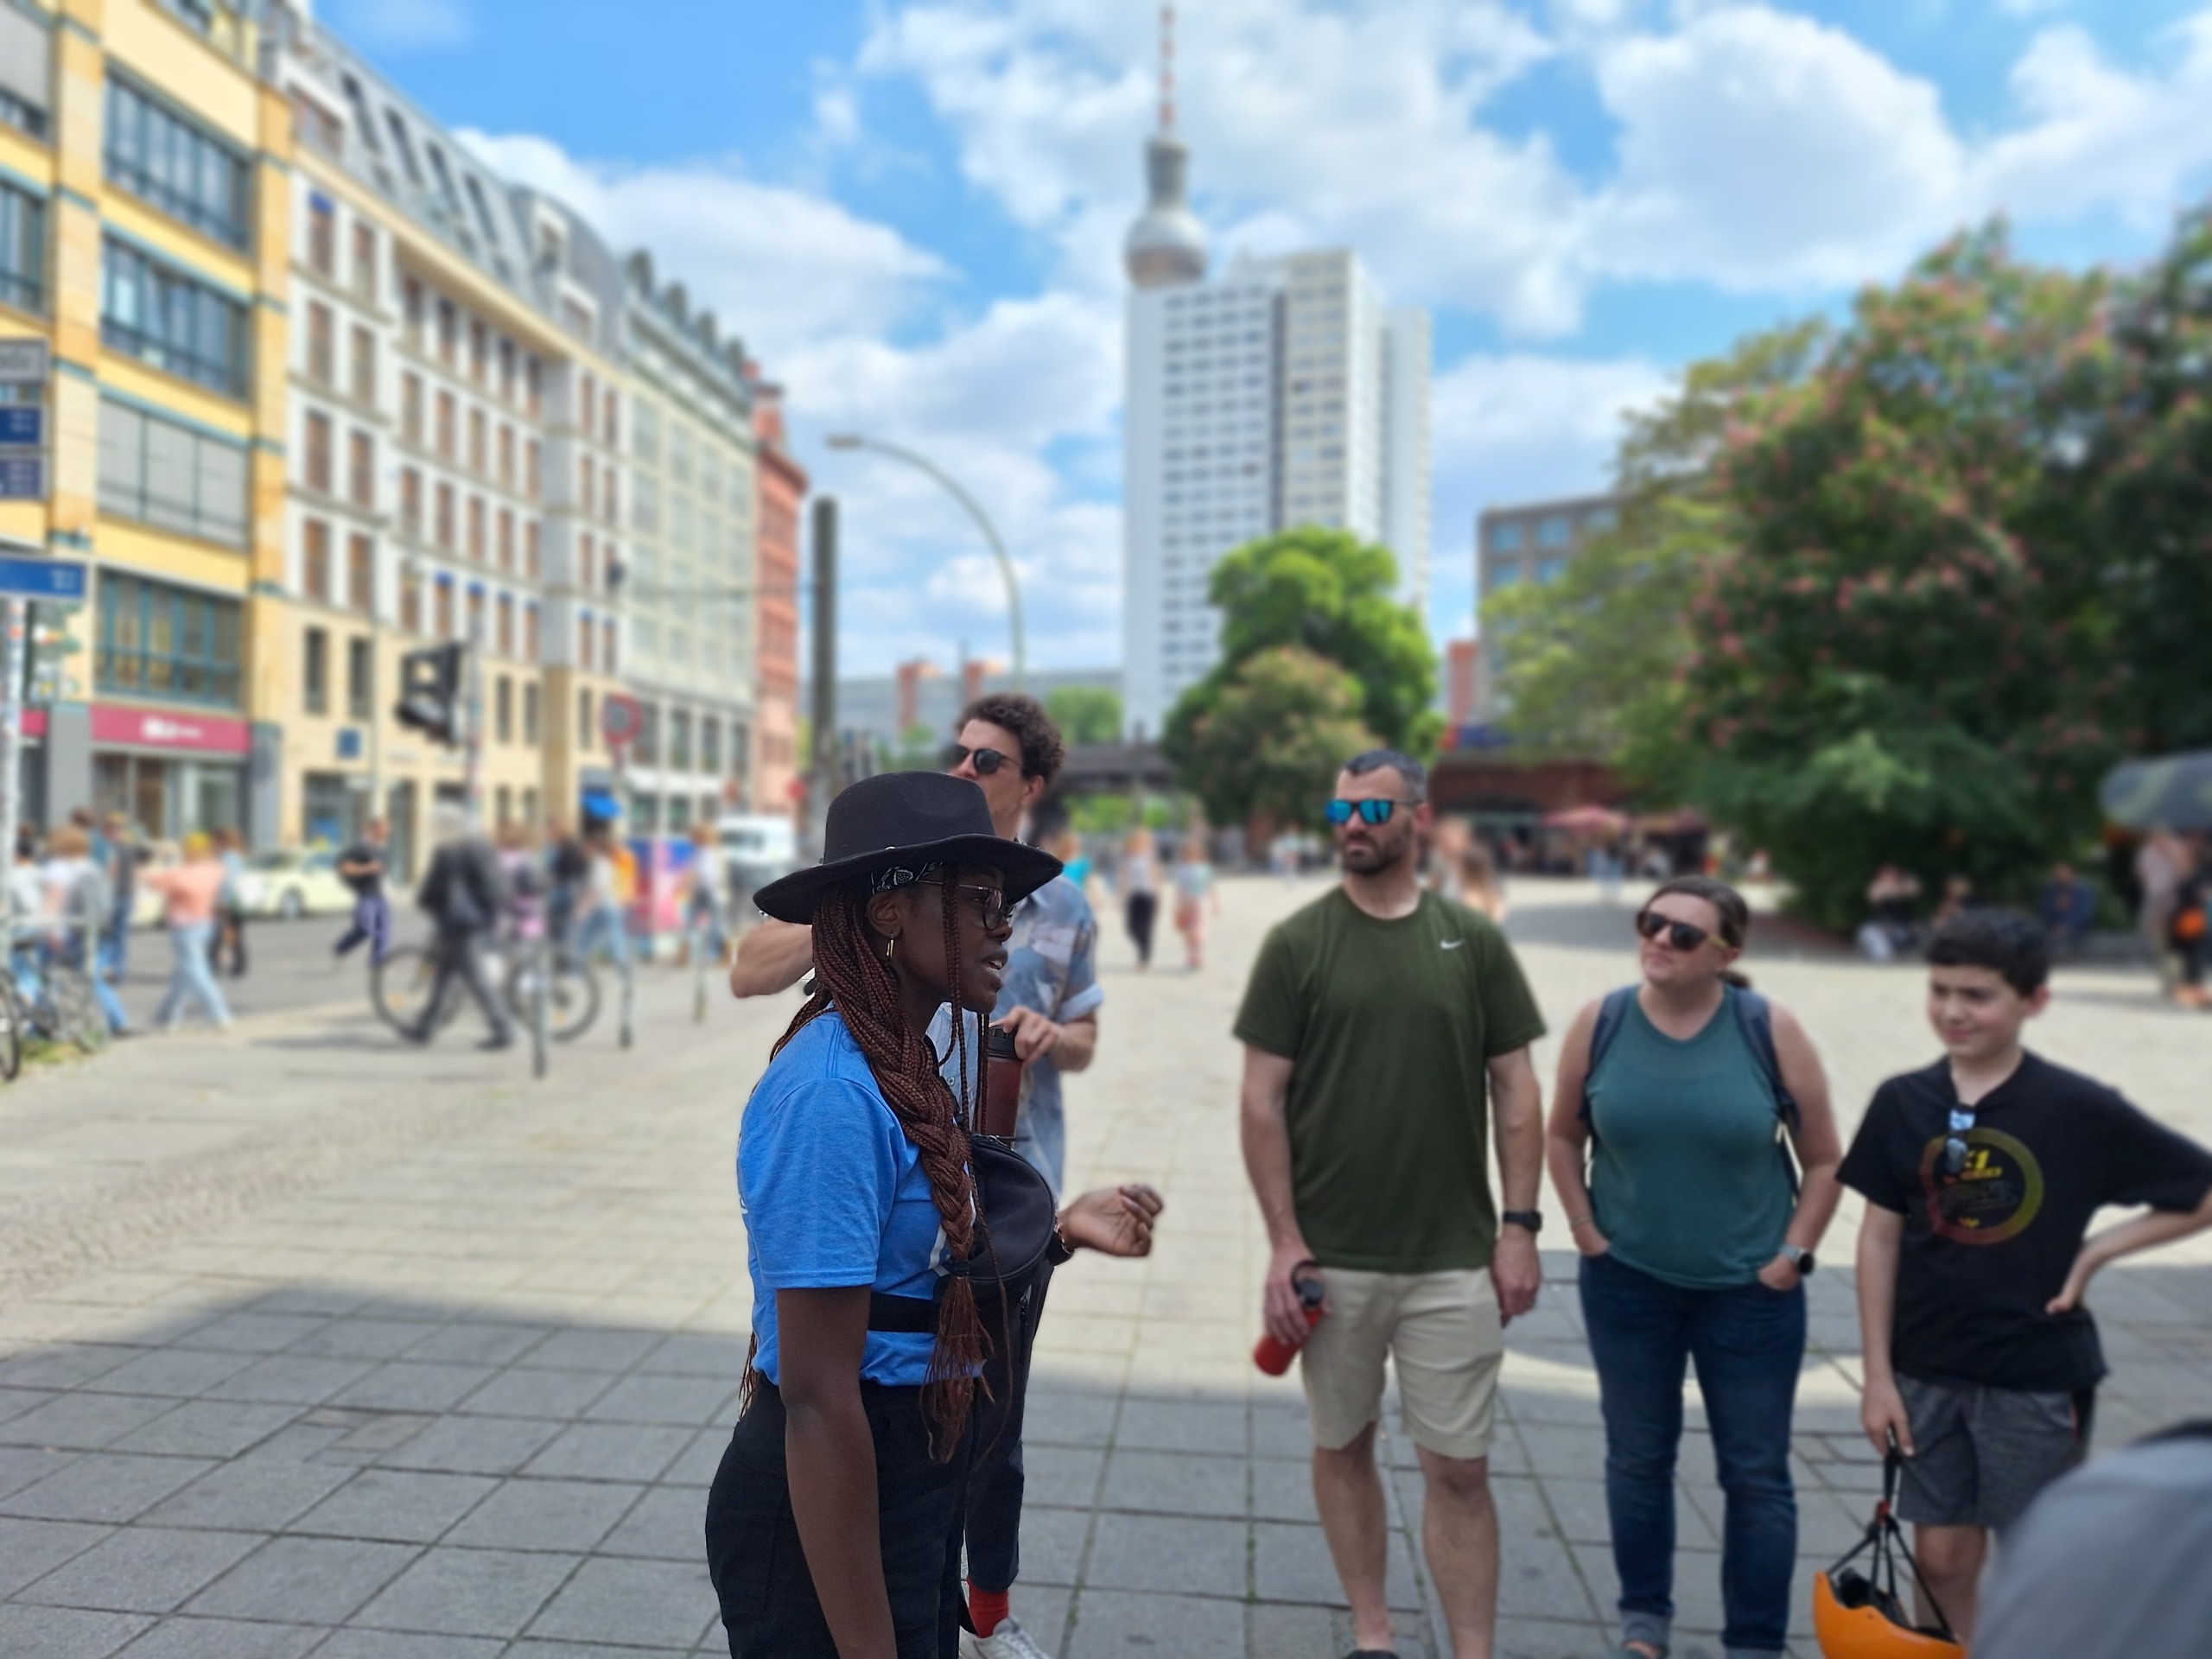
(293, 883)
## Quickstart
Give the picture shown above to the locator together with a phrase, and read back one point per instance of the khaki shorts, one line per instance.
(1443, 1331)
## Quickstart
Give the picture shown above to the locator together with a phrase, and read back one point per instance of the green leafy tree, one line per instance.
(1086, 714)
(1886, 663)
(917, 750)
(1590, 664)
(1272, 737)
(1326, 593)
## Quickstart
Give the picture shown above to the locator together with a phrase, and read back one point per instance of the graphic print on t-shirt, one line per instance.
(1994, 1196)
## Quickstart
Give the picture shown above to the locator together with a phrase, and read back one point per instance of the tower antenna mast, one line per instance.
(1167, 68)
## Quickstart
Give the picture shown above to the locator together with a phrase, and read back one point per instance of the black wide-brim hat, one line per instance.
(900, 822)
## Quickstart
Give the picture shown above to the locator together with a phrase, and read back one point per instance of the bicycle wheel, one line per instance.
(400, 987)
(78, 1017)
(571, 999)
(11, 1029)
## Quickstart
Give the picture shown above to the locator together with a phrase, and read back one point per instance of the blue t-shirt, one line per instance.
(1052, 965)
(834, 1196)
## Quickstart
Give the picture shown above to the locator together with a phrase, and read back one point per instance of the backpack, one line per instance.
(1754, 1017)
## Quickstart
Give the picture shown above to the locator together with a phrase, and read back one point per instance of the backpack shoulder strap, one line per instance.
(1754, 1018)
(1610, 1013)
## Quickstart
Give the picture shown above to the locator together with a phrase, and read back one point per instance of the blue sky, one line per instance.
(913, 211)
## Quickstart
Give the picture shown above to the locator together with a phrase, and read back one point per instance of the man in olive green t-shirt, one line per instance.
(1375, 1021)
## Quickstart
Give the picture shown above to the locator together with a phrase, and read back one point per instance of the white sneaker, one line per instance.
(1008, 1641)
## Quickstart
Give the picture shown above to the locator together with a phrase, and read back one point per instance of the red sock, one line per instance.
(986, 1608)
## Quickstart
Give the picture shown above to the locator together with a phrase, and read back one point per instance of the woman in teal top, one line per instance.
(1695, 1245)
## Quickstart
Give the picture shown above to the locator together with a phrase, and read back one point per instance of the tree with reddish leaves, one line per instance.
(1908, 651)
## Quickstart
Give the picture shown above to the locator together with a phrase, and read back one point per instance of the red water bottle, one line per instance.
(1270, 1353)
(999, 1112)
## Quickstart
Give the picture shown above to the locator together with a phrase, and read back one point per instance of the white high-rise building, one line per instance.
(1283, 392)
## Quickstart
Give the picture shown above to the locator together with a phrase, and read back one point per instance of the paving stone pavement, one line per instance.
(313, 1345)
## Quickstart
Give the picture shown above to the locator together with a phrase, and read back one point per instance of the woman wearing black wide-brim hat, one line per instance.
(833, 1528)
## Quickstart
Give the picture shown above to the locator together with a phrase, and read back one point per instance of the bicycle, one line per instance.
(55, 1002)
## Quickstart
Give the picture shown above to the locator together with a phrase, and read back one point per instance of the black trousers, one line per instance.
(461, 958)
(995, 1484)
(1141, 909)
(758, 1567)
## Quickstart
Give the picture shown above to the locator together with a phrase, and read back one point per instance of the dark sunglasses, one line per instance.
(1340, 811)
(1681, 935)
(991, 903)
(1954, 1143)
(987, 761)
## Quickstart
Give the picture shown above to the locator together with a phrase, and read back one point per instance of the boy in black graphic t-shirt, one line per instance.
(1981, 1175)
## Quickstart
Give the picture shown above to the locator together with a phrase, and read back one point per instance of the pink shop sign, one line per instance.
(160, 728)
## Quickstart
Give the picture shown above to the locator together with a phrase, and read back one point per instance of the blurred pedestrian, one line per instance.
(2160, 864)
(460, 893)
(569, 867)
(78, 905)
(610, 881)
(124, 855)
(2189, 932)
(1678, 1101)
(706, 895)
(1386, 1032)
(1197, 898)
(2067, 908)
(1890, 925)
(230, 919)
(1481, 887)
(1447, 849)
(1140, 891)
(364, 867)
(191, 896)
(835, 1523)
(1959, 897)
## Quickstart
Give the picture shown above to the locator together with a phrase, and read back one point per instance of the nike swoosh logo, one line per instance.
(1451, 945)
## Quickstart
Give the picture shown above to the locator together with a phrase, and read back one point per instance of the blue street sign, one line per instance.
(349, 743)
(22, 423)
(23, 476)
(42, 578)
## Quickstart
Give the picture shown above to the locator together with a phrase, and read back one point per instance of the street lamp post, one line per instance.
(922, 463)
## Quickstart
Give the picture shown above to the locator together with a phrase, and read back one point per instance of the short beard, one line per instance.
(1384, 856)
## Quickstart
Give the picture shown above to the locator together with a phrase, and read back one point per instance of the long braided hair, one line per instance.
(850, 976)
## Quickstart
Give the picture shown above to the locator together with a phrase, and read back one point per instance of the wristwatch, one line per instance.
(1531, 1219)
(1800, 1258)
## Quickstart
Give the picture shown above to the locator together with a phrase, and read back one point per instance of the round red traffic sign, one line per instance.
(620, 718)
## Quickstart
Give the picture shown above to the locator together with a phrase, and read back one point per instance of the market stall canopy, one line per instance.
(2171, 793)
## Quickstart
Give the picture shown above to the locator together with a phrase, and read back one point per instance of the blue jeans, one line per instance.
(1747, 1342)
(372, 922)
(191, 975)
(606, 925)
(111, 1005)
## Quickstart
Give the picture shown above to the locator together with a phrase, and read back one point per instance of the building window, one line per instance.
(22, 250)
(586, 642)
(163, 317)
(1554, 530)
(1599, 521)
(606, 637)
(530, 641)
(1551, 570)
(590, 404)
(610, 430)
(19, 112)
(583, 719)
(646, 745)
(532, 458)
(476, 547)
(322, 235)
(361, 678)
(480, 352)
(361, 471)
(364, 367)
(679, 739)
(505, 641)
(159, 640)
(410, 602)
(588, 563)
(506, 538)
(533, 382)
(506, 456)
(315, 560)
(530, 713)
(479, 461)
(446, 421)
(441, 603)
(503, 710)
(475, 634)
(364, 263)
(410, 408)
(314, 672)
(448, 331)
(361, 574)
(710, 746)
(169, 162)
(317, 452)
(445, 517)
(411, 503)
(411, 303)
(530, 560)
(506, 370)
(644, 434)
(171, 476)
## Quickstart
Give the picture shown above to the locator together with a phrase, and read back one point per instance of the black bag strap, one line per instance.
(908, 1315)
(1610, 1013)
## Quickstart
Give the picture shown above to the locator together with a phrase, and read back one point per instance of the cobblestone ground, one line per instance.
(312, 1346)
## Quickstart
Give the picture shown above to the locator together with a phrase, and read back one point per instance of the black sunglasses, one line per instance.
(1954, 1143)
(1340, 811)
(1681, 935)
(991, 903)
(987, 761)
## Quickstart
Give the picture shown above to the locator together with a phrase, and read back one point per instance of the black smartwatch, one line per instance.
(1531, 1219)
(1800, 1258)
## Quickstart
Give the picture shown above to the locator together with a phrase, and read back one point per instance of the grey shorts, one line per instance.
(1982, 1455)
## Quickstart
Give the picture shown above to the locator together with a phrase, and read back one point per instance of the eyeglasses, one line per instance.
(1340, 811)
(991, 903)
(1954, 1143)
(1681, 935)
(987, 761)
